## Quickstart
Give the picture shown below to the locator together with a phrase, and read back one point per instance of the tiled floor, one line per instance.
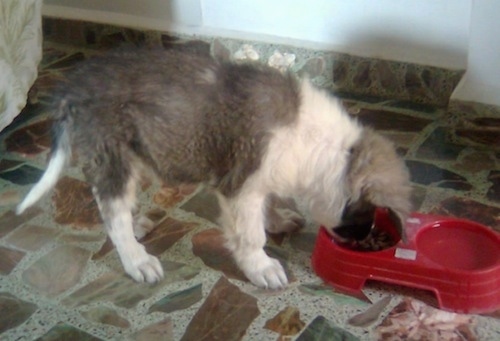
(61, 280)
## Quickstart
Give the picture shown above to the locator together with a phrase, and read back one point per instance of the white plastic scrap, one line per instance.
(281, 61)
(246, 52)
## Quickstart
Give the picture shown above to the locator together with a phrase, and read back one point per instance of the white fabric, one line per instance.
(20, 53)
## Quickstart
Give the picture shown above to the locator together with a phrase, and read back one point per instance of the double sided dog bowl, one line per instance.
(458, 260)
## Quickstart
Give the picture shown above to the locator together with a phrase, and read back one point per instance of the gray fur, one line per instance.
(188, 117)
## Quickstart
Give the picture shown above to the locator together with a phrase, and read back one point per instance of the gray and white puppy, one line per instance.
(247, 131)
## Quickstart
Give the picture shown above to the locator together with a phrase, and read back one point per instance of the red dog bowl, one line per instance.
(458, 260)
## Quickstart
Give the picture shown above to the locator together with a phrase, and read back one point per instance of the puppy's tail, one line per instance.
(61, 153)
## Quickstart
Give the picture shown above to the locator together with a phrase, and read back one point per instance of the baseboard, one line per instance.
(339, 72)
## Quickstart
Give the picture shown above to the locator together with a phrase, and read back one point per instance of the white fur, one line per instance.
(306, 160)
(117, 214)
(309, 159)
(48, 180)
(243, 220)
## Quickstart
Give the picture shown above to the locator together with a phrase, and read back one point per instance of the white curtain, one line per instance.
(20, 53)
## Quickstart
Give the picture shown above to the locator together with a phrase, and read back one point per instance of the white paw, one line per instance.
(264, 271)
(141, 266)
(142, 226)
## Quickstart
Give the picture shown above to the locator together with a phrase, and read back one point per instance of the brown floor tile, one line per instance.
(225, 315)
(75, 204)
(58, 271)
(14, 311)
(9, 259)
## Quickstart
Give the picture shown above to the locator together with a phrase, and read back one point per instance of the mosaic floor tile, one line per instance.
(387, 120)
(287, 322)
(24, 175)
(156, 214)
(106, 315)
(6, 164)
(169, 196)
(370, 315)
(312, 68)
(166, 234)
(75, 204)
(106, 248)
(428, 174)
(320, 329)
(162, 330)
(361, 77)
(68, 61)
(355, 298)
(280, 254)
(386, 76)
(29, 112)
(225, 315)
(470, 209)
(42, 89)
(178, 300)
(476, 161)
(303, 241)
(10, 220)
(401, 140)
(31, 237)
(438, 146)
(69, 238)
(417, 107)
(9, 259)
(50, 55)
(10, 197)
(30, 140)
(220, 51)
(63, 332)
(57, 271)
(193, 46)
(204, 205)
(122, 291)
(486, 137)
(160, 239)
(418, 196)
(209, 246)
(494, 190)
(14, 311)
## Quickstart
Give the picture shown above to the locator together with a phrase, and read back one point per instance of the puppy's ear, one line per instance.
(379, 175)
(399, 221)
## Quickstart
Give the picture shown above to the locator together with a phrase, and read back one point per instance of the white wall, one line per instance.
(482, 79)
(153, 14)
(425, 31)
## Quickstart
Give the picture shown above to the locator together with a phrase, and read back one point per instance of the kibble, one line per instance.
(377, 240)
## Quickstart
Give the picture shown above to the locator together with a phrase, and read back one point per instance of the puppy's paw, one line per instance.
(283, 220)
(263, 271)
(142, 267)
(142, 226)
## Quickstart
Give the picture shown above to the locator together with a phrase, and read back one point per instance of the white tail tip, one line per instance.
(47, 181)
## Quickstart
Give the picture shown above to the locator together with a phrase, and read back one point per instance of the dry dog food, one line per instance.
(377, 240)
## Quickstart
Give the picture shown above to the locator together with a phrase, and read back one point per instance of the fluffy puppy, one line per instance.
(247, 131)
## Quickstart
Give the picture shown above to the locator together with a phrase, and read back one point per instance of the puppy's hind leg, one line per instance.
(116, 211)
(243, 220)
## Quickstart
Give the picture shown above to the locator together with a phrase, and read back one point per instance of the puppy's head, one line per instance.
(376, 177)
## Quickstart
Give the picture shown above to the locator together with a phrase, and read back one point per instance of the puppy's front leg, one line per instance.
(243, 220)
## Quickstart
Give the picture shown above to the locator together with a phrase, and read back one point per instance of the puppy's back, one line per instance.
(189, 117)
